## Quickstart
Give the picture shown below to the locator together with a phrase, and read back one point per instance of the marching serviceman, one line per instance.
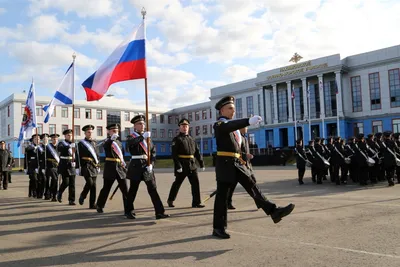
(43, 179)
(230, 167)
(88, 166)
(362, 159)
(5, 163)
(67, 167)
(11, 166)
(381, 148)
(31, 164)
(337, 160)
(310, 152)
(185, 152)
(114, 168)
(373, 170)
(139, 170)
(351, 152)
(328, 155)
(53, 159)
(389, 155)
(301, 160)
(320, 161)
(344, 169)
(396, 140)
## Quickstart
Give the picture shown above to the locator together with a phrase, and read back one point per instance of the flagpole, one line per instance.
(309, 112)
(337, 110)
(73, 106)
(36, 129)
(143, 12)
(295, 115)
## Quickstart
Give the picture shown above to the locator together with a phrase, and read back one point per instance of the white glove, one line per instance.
(179, 170)
(114, 137)
(72, 145)
(250, 156)
(77, 172)
(25, 171)
(203, 169)
(36, 170)
(146, 135)
(255, 120)
(149, 168)
(73, 164)
(43, 171)
(98, 169)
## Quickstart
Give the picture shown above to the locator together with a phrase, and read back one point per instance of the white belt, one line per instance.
(139, 157)
(63, 157)
(33, 157)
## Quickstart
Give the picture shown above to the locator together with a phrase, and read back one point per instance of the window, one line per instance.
(358, 128)
(204, 114)
(127, 131)
(396, 125)
(205, 129)
(169, 119)
(77, 130)
(330, 98)
(8, 111)
(238, 106)
(170, 148)
(197, 115)
(170, 133)
(54, 112)
(154, 133)
(210, 113)
(161, 118)
(315, 107)
(162, 133)
(205, 145)
(197, 130)
(162, 148)
(8, 129)
(190, 116)
(64, 127)
(250, 106)
(394, 87)
(77, 113)
(298, 103)
(271, 97)
(211, 129)
(356, 93)
(190, 130)
(88, 113)
(377, 127)
(176, 131)
(153, 118)
(99, 130)
(64, 112)
(39, 110)
(126, 115)
(52, 128)
(22, 109)
(259, 104)
(40, 128)
(99, 114)
(375, 90)
(282, 106)
(176, 119)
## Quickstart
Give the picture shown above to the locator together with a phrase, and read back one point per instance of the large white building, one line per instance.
(359, 93)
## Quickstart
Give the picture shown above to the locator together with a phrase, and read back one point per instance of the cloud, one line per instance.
(2, 11)
(87, 8)
(119, 91)
(46, 26)
(238, 73)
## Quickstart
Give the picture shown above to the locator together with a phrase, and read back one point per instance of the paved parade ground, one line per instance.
(330, 226)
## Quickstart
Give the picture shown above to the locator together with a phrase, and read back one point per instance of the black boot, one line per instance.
(279, 213)
(220, 233)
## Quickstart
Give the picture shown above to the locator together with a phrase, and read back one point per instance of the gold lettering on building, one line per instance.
(296, 69)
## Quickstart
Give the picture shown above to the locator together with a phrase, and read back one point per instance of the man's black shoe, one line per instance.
(162, 216)
(71, 203)
(81, 200)
(220, 233)
(198, 206)
(231, 207)
(59, 197)
(170, 204)
(99, 209)
(130, 216)
(279, 213)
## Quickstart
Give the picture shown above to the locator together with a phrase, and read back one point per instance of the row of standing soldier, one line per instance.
(372, 159)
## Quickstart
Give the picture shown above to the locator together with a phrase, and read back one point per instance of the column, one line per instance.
(261, 107)
(339, 98)
(305, 97)
(290, 102)
(275, 103)
(322, 102)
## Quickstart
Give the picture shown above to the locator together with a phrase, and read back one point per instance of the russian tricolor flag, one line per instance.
(127, 62)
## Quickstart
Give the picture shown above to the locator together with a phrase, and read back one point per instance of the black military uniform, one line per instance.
(52, 161)
(139, 170)
(11, 166)
(114, 169)
(67, 169)
(43, 181)
(31, 165)
(301, 160)
(351, 152)
(319, 155)
(344, 168)
(337, 160)
(185, 152)
(328, 147)
(373, 170)
(230, 168)
(389, 154)
(89, 164)
(381, 149)
(396, 141)
(310, 152)
(5, 163)
(362, 159)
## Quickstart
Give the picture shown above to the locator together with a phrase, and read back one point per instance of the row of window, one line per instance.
(377, 127)
(171, 132)
(162, 147)
(64, 112)
(249, 107)
(375, 90)
(175, 119)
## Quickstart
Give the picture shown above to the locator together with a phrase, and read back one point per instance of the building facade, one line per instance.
(322, 97)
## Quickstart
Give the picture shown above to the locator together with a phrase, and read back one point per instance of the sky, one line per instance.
(192, 45)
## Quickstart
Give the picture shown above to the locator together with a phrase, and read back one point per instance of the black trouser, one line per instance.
(32, 183)
(232, 190)
(194, 182)
(332, 172)
(353, 172)
(40, 184)
(105, 191)
(390, 174)
(300, 173)
(335, 173)
(221, 198)
(363, 175)
(313, 173)
(398, 173)
(47, 192)
(373, 173)
(9, 176)
(90, 186)
(68, 181)
(151, 189)
(4, 179)
(381, 172)
(320, 171)
(344, 172)
(52, 175)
